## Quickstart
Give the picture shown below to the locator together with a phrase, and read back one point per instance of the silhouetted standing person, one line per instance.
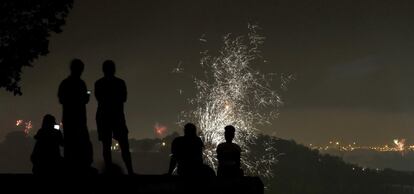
(74, 96)
(111, 93)
(228, 155)
(187, 153)
(46, 157)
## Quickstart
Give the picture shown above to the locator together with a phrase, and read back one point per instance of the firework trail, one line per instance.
(233, 93)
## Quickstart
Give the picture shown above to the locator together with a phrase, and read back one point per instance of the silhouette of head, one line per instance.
(229, 131)
(108, 68)
(48, 121)
(76, 67)
(190, 130)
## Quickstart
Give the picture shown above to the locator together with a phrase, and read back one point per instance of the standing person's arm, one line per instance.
(61, 94)
(173, 160)
(60, 139)
(219, 154)
(34, 157)
(239, 156)
(85, 95)
(173, 163)
(124, 92)
(97, 92)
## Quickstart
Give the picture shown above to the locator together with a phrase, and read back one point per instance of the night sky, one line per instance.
(353, 63)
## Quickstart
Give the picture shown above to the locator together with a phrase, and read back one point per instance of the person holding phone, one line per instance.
(46, 157)
(73, 95)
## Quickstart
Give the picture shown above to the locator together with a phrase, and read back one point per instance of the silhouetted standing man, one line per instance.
(187, 153)
(228, 155)
(74, 96)
(111, 93)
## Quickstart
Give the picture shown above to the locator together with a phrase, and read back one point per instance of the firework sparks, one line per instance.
(235, 94)
(19, 122)
(203, 38)
(180, 91)
(179, 68)
(28, 127)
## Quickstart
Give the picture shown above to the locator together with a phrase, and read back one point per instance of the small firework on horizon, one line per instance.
(27, 126)
(160, 130)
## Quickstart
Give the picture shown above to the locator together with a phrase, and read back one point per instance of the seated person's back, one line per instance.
(228, 155)
(187, 152)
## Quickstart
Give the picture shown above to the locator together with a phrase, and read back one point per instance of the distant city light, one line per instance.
(399, 146)
(115, 146)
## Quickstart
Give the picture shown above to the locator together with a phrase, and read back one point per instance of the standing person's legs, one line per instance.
(105, 136)
(84, 149)
(69, 152)
(106, 151)
(126, 155)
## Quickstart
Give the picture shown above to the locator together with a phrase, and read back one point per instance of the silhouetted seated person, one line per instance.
(228, 155)
(46, 156)
(187, 154)
(111, 94)
(73, 96)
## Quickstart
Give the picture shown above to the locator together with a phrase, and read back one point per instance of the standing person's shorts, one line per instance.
(111, 127)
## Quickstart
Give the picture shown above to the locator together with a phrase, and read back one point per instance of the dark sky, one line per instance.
(353, 62)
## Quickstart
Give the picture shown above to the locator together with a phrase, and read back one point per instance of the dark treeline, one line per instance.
(299, 169)
(302, 170)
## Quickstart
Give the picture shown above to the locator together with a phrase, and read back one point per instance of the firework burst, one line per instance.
(400, 145)
(233, 93)
(160, 130)
(27, 126)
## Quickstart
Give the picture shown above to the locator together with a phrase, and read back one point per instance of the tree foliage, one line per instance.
(25, 27)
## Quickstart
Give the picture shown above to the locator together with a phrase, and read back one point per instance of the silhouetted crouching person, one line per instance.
(111, 94)
(74, 96)
(228, 155)
(187, 154)
(46, 156)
